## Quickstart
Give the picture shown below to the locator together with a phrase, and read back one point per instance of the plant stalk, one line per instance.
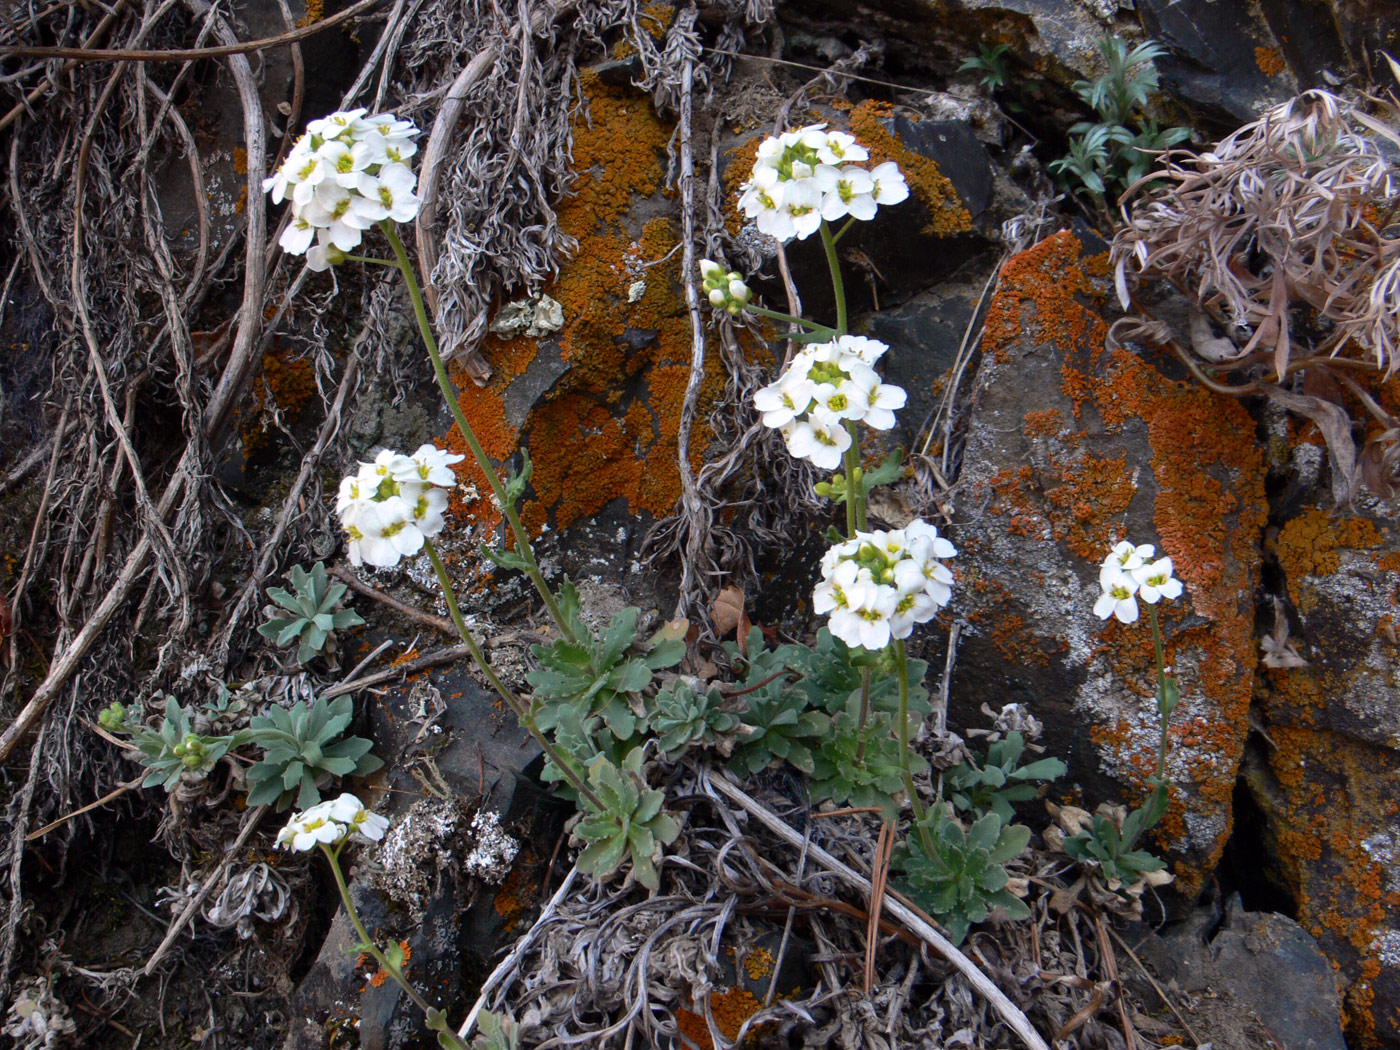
(383, 960)
(498, 490)
(834, 265)
(901, 658)
(512, 701)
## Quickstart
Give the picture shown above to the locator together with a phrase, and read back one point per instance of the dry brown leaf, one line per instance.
(728, 613)
(1335, 425)
(1280, 651)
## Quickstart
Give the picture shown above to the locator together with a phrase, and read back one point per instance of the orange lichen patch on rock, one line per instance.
(1042, 424)
(1087, 508)
(519, 893)
(926, 181)
(240, 160)
(758, 964)
(315, 9)
(1334, 845)
(730, 1009)
(607, 429)
(286, 383)
(1043, 286)
(1269, 60)
(1309, 545)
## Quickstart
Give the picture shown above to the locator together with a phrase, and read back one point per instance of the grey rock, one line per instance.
(545, 370)
(1253, 975)
(1214, 61)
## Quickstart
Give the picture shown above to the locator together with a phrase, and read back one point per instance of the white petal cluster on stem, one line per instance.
(346, 173)
(331, 822)
(876, 586)
(825, 386)
(390, 505)
(1131, 572)
(804, 176)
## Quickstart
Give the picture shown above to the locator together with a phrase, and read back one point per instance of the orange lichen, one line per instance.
(518, 893)
(315, 9)
(926, 181)
(1335, 792)
(607, 430)
(286, 383)
(1087, 508)
(758, 964)
(1043, 286)
(1042, 424)
(1269, 60)
(730, 1009)
(1309, 545)
(240, 160)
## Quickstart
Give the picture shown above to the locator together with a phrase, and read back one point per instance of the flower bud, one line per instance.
(717, 297)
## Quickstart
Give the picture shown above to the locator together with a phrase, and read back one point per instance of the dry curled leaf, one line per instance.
(728, 613)
(1280, 651)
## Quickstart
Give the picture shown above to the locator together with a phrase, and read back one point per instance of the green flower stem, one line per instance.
(512, 701)
(372, 262)
(901, 659)
(834, 265)
(1162, 708)
(851, 221)
(778, 315)
(852, 462)
(864, 713)
(522, 538)
(383, 960)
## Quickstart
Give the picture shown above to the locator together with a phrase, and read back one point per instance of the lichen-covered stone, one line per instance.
(1070, 447)
(1325, 778)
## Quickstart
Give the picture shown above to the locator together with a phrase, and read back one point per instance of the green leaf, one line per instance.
(504, 559)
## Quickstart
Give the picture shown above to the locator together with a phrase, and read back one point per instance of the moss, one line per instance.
(926, 181)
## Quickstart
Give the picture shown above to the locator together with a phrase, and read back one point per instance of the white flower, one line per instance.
(306, 830)
(889, 184)
(1129, 557)
(881, 401)
(831, 403)
(1155, 581)
(840, 148)
(433, 465)
(813, 440)
(878, 585)
(1118, 594)
(867, 351)
(344, 175)
(842, 189)
(350, 811)
(391, 192)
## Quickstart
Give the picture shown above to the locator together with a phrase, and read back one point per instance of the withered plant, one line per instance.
(1285, 236)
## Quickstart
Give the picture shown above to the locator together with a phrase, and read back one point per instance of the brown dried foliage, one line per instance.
(1285, 235)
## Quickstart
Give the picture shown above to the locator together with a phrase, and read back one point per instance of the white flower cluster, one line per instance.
(724, 290)
(878, 585)
(825, 385)
(345, 174)
(1130, 573)
(393, 503)
(804, 176)
(330, 822)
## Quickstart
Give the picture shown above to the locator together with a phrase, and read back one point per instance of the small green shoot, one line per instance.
(314, 618)
(300, 744)
(964, 877)
(631, 824)
(1000, 781)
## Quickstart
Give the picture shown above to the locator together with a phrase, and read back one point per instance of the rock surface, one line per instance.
(1069, 448)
